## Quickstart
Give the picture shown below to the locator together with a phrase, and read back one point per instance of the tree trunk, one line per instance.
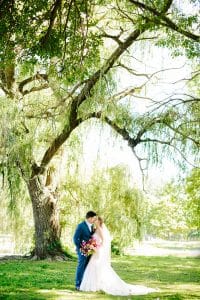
(46, 221)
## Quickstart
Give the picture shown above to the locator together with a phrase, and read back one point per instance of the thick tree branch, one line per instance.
(108, 65)
(53, 14)
(36, 89)
(165, 20)
(133, 142)
(65, 30)
(38, 77)
(113, 37)
(55, 145)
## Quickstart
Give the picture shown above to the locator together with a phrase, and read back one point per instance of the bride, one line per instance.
(100, 276)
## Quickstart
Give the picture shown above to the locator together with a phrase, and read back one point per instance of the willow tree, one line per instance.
(56, 72)
(193, 200)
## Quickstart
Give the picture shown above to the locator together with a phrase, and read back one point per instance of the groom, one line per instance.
(83, 232)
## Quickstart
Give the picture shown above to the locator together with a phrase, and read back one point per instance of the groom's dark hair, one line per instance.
(90, 214)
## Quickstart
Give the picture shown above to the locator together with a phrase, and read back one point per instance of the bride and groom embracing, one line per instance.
(94, 272)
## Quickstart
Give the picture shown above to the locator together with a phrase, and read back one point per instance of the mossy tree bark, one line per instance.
(46, 220)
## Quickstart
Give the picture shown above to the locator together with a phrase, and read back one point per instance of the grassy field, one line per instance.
(176, 278)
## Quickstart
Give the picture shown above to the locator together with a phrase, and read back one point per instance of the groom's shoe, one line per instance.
(77, 288)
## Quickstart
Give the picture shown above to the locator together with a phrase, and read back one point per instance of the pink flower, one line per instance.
(89, 247)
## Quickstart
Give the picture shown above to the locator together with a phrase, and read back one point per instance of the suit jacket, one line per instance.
(82, 233)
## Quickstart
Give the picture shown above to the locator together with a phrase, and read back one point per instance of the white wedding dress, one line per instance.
(100, 276)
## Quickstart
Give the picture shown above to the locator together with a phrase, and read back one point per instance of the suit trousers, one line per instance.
(82, 264)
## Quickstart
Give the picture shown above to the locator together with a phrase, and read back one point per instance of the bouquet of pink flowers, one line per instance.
(89, 247)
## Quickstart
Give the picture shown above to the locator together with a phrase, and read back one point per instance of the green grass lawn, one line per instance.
(177, 278)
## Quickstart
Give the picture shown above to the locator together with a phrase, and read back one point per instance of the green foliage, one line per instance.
(175, 212)
(115, 248)
(17, 219)
(180, 20)
(35, 33)
(167, 216)
(192, 189)
(15, 146)
(185, 47)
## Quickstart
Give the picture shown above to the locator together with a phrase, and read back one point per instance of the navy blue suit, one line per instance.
(82, 233)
